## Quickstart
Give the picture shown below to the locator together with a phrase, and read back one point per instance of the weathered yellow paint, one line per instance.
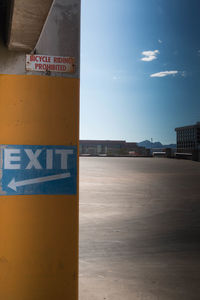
(39, 233)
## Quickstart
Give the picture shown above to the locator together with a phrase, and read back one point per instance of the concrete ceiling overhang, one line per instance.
(26, 20)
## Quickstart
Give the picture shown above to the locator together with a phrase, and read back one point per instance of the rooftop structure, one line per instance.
(110, 147)
(188, 138)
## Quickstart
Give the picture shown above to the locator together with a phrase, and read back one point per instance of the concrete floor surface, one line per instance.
(139, 229)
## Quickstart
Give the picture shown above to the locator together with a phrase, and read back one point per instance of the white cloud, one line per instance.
(159, 41)
(150, 55)
(164, 74)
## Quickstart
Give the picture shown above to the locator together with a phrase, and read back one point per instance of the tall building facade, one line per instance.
(188, 138)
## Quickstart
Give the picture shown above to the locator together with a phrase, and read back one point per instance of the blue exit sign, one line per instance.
(34, 170)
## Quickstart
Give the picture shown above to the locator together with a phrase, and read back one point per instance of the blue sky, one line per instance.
(140, 68)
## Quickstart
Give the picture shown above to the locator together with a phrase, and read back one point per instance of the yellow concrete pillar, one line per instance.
(39, 136)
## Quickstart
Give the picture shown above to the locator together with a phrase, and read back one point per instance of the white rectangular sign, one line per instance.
(44, 63)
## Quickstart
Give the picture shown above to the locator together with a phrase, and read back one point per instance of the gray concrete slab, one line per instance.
(27, 19)
(139, 229)
(56, 35)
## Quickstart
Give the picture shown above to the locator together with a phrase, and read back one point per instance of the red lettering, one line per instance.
(38, 66)
(32, 58)
(63, 60)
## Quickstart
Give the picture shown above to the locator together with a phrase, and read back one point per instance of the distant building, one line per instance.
(188, 140)
(134, 149)
(113, 148)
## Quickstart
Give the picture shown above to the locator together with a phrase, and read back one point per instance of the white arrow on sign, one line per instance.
(14, 184)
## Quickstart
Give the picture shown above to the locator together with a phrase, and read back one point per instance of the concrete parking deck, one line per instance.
(139, 229)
